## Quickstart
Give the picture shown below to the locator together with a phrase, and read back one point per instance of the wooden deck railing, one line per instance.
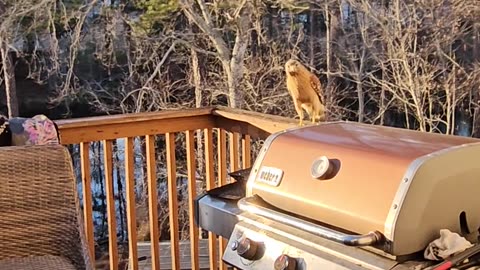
(177, 127)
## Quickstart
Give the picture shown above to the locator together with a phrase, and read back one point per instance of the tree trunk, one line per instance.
(473, 96)
(197, 79)
(234, 75)
(328, 98)
(361, 101)
(197, 82)
(312, 36)
(476, 123)
(407, 118)
(360, 92)
(382, 110)
(476, 44)
(327, 33)
(234, 67)
(9, 79)
(232, 61)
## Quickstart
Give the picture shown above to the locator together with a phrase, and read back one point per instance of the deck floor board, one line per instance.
(144, 255)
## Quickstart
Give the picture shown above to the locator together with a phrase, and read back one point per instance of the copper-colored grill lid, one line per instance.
(361, 178)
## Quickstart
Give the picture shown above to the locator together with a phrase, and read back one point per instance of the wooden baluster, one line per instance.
(152, 200)
(131, 217)
(234, 158)
(87, 197)
(210, 177)
(222, 176)
(246, 151)
(172, 200)
(192, 193)
(112, 222)
(234, 148)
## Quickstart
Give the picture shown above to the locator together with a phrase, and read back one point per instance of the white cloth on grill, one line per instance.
(449, 243)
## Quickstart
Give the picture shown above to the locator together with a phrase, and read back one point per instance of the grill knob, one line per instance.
(285, 262)
(246, 248)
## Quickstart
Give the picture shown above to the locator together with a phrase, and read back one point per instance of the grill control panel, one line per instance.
(254, 248)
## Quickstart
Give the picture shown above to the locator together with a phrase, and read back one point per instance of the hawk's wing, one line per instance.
(317, 86)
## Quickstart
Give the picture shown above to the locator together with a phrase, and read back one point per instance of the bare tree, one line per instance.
(9, 79)
(232, 59)
(12, 31)
(412, 47)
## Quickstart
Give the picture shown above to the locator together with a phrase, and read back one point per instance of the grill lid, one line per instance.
(362, 178)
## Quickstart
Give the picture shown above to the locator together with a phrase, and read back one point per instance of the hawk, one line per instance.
(306, 91)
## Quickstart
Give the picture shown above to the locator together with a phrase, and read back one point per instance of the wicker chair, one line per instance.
(40, 219)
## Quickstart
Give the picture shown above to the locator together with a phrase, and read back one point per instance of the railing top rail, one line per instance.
(131, 117)
(108, 127)
(266, 122)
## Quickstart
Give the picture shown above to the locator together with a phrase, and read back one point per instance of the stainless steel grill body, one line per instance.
(346, 196)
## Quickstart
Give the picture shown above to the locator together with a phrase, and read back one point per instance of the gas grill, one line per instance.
(346, 195)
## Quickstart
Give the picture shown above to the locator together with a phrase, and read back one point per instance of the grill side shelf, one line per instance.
(216, 214)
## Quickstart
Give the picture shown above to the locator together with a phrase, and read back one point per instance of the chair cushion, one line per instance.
(38, 130)
(36, 263)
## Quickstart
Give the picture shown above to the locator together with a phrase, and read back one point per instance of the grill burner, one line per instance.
(346, 196)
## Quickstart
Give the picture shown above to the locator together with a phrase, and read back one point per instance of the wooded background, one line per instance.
(404, 63)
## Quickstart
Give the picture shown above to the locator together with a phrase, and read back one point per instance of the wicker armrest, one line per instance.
(39, 208)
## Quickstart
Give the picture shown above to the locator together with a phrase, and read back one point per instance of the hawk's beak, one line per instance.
(292, 69)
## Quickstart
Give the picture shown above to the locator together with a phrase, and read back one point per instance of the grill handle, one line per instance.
(256, 205)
